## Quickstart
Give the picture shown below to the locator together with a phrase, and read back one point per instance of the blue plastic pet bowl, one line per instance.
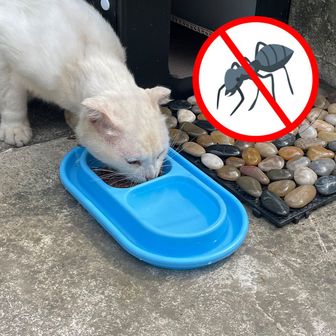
(181, 220)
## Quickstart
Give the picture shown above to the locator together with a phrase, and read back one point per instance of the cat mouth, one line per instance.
(119, 180)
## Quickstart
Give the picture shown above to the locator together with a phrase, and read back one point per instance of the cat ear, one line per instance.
(99, 116)
(159, 95)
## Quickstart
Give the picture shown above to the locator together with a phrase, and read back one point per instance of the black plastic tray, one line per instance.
(258, 210)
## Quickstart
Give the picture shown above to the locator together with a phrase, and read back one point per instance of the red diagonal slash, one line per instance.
(254, 77)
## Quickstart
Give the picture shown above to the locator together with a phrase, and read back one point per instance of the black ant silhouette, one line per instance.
(270, 58)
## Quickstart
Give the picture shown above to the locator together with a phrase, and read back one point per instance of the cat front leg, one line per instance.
(14, 128)
(71, 119)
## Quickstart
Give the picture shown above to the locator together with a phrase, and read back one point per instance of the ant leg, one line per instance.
(257, 48)
(241, 101)
(273, 93)
(218, 94)
(266, 76)
(289, 83)
(235, 64)
(247, 60)
(255, 100)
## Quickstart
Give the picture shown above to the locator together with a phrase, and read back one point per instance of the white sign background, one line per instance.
(262, 119)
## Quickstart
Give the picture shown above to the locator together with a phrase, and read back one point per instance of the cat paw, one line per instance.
(16, 136)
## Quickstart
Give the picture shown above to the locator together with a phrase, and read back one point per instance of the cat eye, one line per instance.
(134, 162)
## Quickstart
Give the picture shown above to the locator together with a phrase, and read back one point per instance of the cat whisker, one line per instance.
(179, 149)
(113, 182)
(173, 139)
(118, 180)
(104, 170)
(112, 172)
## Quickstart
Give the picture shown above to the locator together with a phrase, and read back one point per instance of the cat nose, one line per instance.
(150, 174)
(149, 177)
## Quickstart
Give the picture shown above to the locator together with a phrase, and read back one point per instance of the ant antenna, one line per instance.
(218, 94)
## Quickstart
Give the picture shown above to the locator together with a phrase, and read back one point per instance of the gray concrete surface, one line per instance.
(62, 274)
(316, 21)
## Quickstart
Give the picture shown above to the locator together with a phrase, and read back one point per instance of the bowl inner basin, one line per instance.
(175, 206)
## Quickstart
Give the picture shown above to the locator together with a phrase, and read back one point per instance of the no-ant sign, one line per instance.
(255, 79)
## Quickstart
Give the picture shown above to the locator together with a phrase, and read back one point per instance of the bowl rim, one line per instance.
(159, 260)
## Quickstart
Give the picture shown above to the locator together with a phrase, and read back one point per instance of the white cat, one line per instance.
(64, 52)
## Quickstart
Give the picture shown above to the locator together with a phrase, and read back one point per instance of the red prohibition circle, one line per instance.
(285, 130)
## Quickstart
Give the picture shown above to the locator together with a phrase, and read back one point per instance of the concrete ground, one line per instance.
(62, 274)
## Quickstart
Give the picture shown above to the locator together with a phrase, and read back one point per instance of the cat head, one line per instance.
(127, 132)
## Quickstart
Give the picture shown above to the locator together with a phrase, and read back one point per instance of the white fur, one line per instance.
(64, 52)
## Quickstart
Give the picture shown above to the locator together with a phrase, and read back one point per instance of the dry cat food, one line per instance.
(286, 174)
(114, 179)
